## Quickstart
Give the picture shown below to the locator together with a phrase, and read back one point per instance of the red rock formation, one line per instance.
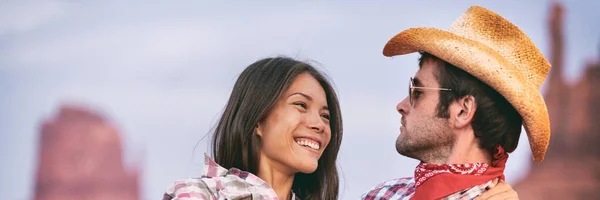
(555, 96)
(80, 157)
(571, 169)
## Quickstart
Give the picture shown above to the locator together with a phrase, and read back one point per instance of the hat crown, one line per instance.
(490, 29)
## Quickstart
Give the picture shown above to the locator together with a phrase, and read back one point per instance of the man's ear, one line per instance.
(464, 111)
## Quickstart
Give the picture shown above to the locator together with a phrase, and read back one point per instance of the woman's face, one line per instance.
(296, 131)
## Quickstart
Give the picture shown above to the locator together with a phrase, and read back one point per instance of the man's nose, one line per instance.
(403, 107)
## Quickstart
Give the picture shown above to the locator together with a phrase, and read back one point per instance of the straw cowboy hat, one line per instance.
(496, 52)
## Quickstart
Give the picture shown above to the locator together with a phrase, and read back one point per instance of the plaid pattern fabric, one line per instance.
(218, 183)
(397, 189)
(404, 188)
(469, 193)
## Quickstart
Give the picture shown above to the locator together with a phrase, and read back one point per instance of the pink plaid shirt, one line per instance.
(404, 189)
(218, 183)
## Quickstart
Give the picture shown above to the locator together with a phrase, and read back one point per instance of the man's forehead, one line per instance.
(425, 74)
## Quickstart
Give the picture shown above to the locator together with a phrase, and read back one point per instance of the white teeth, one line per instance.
(312, 145)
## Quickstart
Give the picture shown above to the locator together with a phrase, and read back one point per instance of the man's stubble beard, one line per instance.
(429, 141)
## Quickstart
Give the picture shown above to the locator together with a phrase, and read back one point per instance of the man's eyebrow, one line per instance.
(417, 82)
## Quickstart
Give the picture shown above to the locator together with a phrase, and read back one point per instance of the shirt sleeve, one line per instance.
(470, 193)
(190, 189)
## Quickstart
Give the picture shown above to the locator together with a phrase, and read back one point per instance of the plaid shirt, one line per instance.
(218, 183)
(404, 189)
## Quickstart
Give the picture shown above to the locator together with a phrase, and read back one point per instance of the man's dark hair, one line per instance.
(496, 122)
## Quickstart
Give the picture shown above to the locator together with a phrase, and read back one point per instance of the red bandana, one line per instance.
(435, 181)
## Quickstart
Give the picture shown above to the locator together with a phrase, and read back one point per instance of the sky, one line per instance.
(162, 71)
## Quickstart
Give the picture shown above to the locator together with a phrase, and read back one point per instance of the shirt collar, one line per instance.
(212, 169)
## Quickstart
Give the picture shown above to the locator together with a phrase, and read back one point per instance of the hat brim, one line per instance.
(488, 66)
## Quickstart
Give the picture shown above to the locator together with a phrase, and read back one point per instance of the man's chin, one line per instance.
(406, 151)
(402, 150)
(402, 146)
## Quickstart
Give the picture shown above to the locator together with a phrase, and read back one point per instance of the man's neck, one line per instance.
(274, 174)
(466, 150)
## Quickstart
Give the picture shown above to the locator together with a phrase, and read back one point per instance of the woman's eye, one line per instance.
(326, 116)
(301, 104)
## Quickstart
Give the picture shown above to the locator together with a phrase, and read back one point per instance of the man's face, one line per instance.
(422, 133)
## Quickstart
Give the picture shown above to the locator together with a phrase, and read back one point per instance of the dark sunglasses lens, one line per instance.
(410, 91)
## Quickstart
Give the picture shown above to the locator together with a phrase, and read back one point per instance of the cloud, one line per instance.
(21, 15)
(122, 47)
(131, 44)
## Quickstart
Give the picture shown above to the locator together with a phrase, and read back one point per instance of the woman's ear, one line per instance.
(464, 111)
(258, 130)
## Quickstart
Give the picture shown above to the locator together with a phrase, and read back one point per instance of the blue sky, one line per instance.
(163, 71)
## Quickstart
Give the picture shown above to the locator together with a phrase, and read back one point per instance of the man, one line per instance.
(477, 84)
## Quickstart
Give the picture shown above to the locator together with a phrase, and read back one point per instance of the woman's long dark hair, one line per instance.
(255, 93)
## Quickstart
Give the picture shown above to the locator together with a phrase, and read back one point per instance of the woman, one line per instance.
(279, 135)
(278, 138)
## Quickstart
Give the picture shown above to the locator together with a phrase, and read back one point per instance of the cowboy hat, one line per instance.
(498, 53)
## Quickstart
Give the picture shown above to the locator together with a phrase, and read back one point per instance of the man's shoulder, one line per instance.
(391, 189)
(470, 193)
(397, 182)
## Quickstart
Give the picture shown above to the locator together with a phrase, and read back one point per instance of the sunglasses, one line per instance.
(411, 90)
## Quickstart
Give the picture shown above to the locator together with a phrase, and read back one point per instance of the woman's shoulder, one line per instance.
(190, 188)
(217, 182)
(214, 179)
